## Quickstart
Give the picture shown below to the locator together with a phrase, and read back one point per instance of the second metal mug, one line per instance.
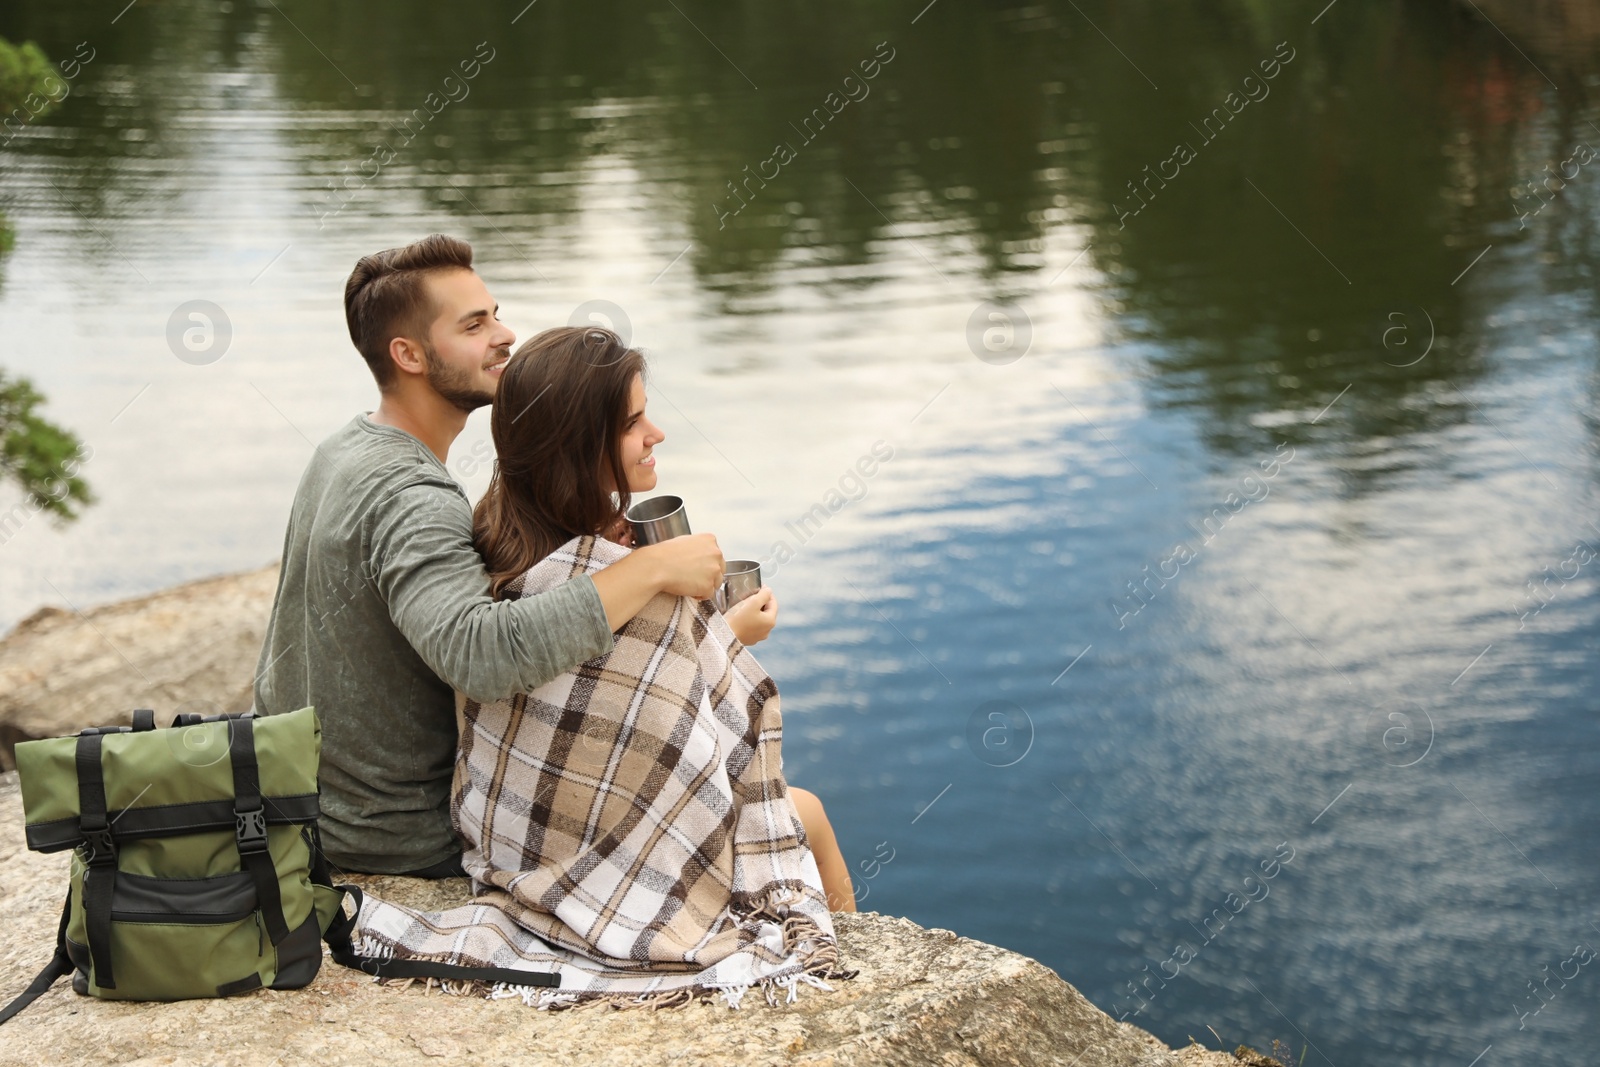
(740, 578)
(658, 519)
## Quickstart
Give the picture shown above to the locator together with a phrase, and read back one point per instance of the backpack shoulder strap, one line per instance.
(59, 967)
(342, 948)
(344, 953)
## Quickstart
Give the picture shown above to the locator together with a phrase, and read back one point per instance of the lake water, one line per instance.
(1202, 562)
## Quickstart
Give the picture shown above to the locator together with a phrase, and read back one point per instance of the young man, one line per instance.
(383, 606)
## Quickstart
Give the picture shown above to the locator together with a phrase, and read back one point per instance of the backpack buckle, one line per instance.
(250, 830)
(100, 846)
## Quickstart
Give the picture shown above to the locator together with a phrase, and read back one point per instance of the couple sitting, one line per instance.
(612, 767)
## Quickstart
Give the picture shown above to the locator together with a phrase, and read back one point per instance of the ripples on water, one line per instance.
(1244, 713)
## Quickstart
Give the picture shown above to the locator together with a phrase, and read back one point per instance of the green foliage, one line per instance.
(25, 72)
(36, 454)
(29, 85)
(39, 456)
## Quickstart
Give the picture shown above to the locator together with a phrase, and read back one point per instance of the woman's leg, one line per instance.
(830, 861)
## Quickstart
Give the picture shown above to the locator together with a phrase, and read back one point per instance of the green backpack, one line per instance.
(198, 870)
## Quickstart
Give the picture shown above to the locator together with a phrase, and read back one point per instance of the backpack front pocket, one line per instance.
(222, 949)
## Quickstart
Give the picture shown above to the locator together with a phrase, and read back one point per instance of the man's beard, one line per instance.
(455, 385)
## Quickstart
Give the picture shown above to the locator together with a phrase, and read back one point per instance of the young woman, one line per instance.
(574, 444)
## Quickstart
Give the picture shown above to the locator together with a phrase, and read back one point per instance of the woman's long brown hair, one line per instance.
(560, 412)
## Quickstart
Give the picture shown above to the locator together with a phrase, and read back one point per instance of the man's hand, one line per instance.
(691, 565)
(684, 566)
(753, 618)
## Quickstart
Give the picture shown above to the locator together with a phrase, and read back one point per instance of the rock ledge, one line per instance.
(922, 996)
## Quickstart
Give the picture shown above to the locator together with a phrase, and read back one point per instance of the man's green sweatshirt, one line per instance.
(382, 611)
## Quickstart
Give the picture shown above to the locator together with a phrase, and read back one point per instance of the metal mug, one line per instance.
(661, 518)
(741, 578)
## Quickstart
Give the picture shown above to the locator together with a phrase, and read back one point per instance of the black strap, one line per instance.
(321, 869)
(100, 879)
(60, 966)
(343, 952)
(144, 719)
(242, 985)
(429, 969)
(250, 826)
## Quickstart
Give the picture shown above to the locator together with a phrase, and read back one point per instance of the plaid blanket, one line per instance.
(627, 824)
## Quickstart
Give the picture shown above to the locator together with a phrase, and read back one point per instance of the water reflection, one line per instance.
(1232, 272)
(1338, 210)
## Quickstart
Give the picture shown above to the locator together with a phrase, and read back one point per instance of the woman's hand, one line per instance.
(753, 618)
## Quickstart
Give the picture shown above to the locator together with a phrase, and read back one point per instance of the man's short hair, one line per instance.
(386, 298)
